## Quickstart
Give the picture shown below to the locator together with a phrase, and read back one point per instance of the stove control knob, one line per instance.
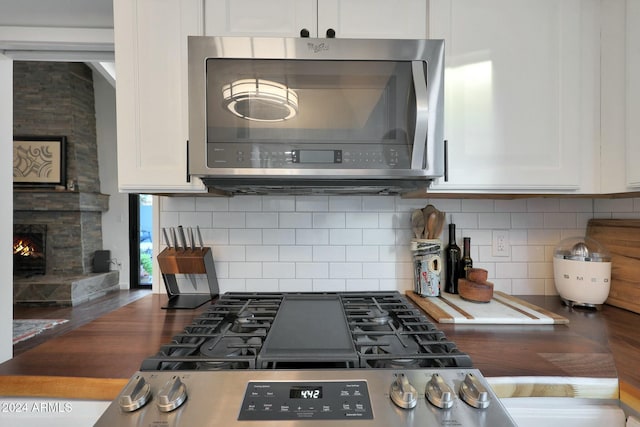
(172, 395)
(439, 393)
(135, 395)
(474, 393)
(402, 393)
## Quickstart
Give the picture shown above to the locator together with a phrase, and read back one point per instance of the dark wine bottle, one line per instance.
(452, 255)
(465, 262)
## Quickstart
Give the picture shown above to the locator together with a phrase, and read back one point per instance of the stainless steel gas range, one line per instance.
(308, 359)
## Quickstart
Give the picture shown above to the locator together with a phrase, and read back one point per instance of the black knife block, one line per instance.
(187, 261)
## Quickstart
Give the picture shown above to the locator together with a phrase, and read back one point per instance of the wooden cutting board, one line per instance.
(622, 238)
(502, 309)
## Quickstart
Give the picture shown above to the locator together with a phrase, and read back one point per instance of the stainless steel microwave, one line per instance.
(301, 115)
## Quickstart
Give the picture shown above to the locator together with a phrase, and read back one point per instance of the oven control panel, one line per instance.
(326, 400)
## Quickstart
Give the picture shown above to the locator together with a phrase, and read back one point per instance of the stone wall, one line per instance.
(52, 99)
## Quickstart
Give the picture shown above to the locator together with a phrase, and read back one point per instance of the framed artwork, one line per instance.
(39, 160)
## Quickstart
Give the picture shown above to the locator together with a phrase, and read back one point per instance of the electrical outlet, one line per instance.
(500, 243)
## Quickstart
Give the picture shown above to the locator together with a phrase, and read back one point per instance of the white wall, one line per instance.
(115, 229)
(6, 207)
(320, 243)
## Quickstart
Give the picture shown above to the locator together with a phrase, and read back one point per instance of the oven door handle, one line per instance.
(418, 160)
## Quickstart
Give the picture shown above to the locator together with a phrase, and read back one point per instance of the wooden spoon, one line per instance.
(417, 223)
(431, 224)
(427, 211)
(437, 229)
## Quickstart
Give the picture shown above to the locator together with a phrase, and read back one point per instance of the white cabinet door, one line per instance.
(521, 86)
(348, 18)
(151, 93)
(398, 19)
(266, 18)
(633, 93)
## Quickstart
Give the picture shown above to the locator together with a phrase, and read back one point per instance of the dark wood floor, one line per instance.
(77, 316)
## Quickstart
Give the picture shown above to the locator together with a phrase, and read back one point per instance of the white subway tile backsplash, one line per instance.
(527, 220)
(228, 253)
(296, 253)
(345, 203)
(245, 204)
(378, 203)
(210, 204)
(494, 220)
(294, 220)
(262, 253)
(515, 205)
(576, 205)
(228, 220)
(362, 220)
(329, 253)
(477, 205)
(379, 270)
(560, 220)
(177, 204)
(278, 204)
(261, 285)
(262, 220)
(527, 286)
(312, 270)
(245, 270)
(279, 236)
(541, 270)
(275, 270)
(295, 285)
(362, 253)
(613, 205)
(345, 270)
(543, 205)
(245, 236)
(359, 243)
(312, 203)
(193, 219)
(345, 236)
(329, 220)
(319, 236)
(329, 285)
(378, 237)
(512, 270)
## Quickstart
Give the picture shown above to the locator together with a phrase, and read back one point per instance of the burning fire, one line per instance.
(23, 248)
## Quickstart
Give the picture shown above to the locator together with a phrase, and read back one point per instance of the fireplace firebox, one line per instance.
(29, 249)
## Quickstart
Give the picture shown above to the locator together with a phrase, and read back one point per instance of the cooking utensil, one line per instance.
(431, 223)
(199, 237)
(183, 239)
(439, 224)
(426, 212)
(174, 239)
(192, 240)
(166, 237)
(417, 223)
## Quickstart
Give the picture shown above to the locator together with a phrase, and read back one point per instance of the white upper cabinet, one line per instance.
(632, 78)
(521, 94)
(151, 93)
(346, 18)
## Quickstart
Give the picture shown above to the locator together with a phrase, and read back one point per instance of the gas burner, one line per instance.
(245, 321)
(378, 316)
(224, 352)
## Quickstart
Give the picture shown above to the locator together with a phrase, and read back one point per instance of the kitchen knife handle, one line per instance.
(166, 237)
(174, 239)
(183, 239)
(199, 237)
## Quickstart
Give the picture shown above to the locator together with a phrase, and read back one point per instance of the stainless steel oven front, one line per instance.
(292, 110)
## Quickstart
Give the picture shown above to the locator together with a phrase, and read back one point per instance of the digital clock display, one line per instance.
(305, 392)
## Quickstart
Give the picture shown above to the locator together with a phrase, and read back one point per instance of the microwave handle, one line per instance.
(418, 160)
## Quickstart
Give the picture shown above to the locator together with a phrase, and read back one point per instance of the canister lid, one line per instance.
(582, 249)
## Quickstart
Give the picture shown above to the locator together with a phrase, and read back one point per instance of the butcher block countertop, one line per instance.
(94, 361)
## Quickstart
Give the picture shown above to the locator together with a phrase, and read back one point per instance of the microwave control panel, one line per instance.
(357, 156)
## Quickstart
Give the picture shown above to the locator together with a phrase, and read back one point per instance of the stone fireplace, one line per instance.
(52, 98)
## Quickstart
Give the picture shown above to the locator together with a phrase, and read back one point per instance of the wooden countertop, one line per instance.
(109, 350)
